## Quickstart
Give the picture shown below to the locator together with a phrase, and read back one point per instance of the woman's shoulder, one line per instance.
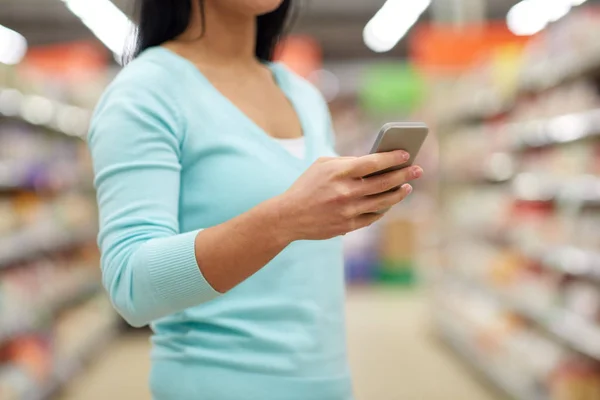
(148, 73)
(145, 90)
(149, 83)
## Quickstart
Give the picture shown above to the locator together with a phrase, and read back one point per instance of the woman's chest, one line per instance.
(226, 181)
(267, 107)
(231, 164)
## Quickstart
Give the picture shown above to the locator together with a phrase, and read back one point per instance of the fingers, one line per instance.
(388, 181)
(366, 165)
(374, 207)
(383, 201)
(364, 220)
(322, 160)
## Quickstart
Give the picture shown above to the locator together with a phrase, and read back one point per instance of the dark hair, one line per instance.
(162, 20)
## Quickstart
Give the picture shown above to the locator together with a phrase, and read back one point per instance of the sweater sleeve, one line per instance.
(149, 267)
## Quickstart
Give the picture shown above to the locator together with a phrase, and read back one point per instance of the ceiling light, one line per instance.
(529, 17)
(110, 25)
(391, 23)
(13, 46)
(556, 9)
(525, 18)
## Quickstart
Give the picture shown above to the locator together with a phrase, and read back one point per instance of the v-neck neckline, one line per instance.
(282, 81)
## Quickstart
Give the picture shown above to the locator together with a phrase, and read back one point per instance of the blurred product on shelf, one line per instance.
(518, 291)
(513, 353)
(42, 163)
(53, 313)
(34, 224)
(398, 250)
(553, 64)
(361, 256)
(36, 366)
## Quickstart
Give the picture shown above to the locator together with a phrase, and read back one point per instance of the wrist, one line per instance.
(278, 218)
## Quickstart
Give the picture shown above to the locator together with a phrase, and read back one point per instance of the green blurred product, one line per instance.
(391, 89)
(398, 251)
(397, 272)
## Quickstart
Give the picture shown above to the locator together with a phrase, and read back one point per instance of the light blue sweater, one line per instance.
(173, 156)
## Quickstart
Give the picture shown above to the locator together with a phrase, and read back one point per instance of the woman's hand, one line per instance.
(332, 198)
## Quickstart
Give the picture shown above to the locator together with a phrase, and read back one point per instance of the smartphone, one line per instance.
(407, 136)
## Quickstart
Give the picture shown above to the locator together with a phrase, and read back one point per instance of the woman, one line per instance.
(221, 207)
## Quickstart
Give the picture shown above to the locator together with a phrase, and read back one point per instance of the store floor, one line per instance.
(393, 353)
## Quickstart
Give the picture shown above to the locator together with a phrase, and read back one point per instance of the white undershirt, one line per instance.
(296, 146)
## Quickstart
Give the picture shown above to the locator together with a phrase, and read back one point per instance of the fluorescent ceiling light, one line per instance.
(525, 18)
(556, 9)
(105, 20)
(529, 17)
(391, 23)
(13, 46)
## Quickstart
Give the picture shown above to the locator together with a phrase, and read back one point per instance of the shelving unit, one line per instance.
(52, 306)
(475, 360)
(555, 131)
(30, 243)
(50, 312)
(565, 326)
(65, 370)
(521, 221)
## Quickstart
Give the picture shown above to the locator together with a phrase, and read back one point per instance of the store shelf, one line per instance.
(54, 116)
(569, 260)
(466, 351)
(570, 329)
(65, 370)
(480, 181)
(551, 73)
(488, 105)
(477, 111)
(562, 129)
(86, 292)
(30, 243)
(12, 183)
(545, 128)
(566, 326)
(582, 190)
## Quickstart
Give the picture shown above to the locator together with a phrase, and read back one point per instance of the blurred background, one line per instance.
(484, 285)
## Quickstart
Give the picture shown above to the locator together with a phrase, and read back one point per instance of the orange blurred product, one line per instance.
(301, 53)
(446, 48)
(27, 206)
(33, 355)
(509, 263)
(575, 380)
(74, 61)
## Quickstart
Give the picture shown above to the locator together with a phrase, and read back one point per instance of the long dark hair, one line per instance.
(159, 21)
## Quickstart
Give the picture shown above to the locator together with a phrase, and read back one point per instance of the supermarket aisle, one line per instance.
(392, 352)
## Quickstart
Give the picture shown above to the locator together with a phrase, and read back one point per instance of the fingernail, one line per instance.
(408, 189)
(417, 172)
(404, 156)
